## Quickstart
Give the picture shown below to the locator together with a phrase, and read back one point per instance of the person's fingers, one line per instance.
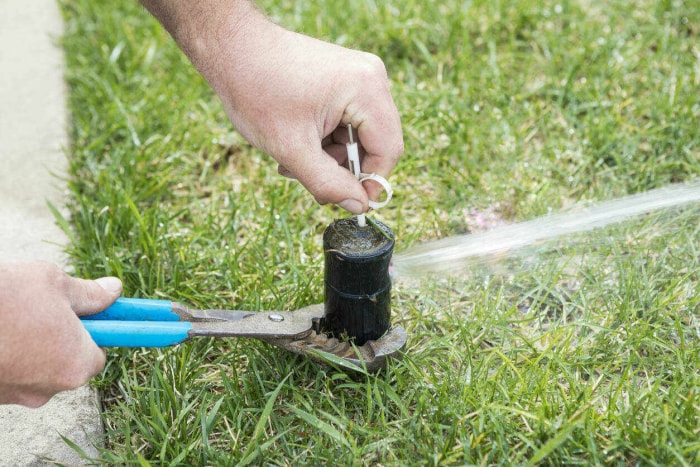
(380, 163)
(95, 358)
(327, 181)
(86, 361)
(378, 125)
(282, 170)
(339, 152)
(382, 151)
(341, 135)
(375, 191)
(92, 296)
(83, 361)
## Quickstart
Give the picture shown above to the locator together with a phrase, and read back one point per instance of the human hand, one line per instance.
(294, 102)
(44, 349)
(292, 96)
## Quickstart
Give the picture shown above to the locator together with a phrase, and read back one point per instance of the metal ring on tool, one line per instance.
(382, 181)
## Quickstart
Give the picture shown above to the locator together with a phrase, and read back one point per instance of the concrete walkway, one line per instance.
(33, 124)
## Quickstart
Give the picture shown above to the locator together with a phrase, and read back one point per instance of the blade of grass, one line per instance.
(253, 450)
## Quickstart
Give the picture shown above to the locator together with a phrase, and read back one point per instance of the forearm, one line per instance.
(214, 34)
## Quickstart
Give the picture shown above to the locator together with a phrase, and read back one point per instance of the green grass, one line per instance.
(586, 353)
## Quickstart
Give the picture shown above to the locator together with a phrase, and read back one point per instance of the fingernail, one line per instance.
(352, 205)
(110, 284)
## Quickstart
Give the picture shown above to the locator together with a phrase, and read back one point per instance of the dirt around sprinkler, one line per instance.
(351, 240)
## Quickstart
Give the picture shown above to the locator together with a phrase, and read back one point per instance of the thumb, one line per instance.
(91, 296)
(329, 182)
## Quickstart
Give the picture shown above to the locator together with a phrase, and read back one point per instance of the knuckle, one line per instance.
(375, 64)
(370, 70)
(52, 275)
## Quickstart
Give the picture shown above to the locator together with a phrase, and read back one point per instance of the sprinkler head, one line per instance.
(354, 321)
(357, 281)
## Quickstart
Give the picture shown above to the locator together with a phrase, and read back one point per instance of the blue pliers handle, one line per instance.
(137, 322)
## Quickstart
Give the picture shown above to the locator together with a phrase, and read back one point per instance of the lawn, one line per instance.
(586, 351)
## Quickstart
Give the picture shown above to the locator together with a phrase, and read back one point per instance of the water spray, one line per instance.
(456, 253)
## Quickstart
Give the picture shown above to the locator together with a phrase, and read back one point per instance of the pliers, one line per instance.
(137, 322)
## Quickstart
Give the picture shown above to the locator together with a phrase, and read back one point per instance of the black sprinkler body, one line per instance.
(357, 281)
